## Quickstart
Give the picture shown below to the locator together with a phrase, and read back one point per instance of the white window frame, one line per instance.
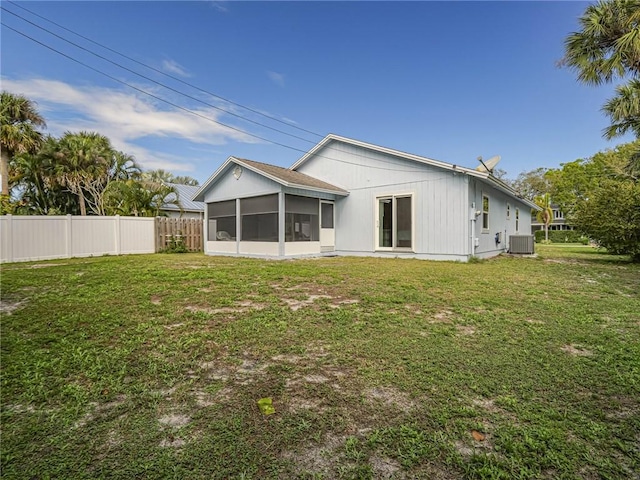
(517, 220)
(508, 211)
(394, 228)
(486, 229)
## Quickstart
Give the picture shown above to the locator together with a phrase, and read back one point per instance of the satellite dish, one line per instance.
(489, 165)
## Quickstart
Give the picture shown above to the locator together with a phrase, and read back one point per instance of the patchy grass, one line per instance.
(151, 366)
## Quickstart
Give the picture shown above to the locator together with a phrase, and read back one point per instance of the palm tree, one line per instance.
(608, 44)
(84, 159)
(18, 120)
(606, 48)
(544, 216)
(138, 198)
(624, 110)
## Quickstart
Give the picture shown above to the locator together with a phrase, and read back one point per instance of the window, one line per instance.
(395, 222)
(557, 214)
(485, 212)
(517, 220)
(222, 221)
(301, 219)
(508, 211)
(327, 215)
(259, 218)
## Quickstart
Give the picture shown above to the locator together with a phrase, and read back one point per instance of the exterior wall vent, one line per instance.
(522, 244)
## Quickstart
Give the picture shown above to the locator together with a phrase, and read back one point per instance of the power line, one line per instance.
(204, 116)
(173, 77)
(156, 82)
(150, 94)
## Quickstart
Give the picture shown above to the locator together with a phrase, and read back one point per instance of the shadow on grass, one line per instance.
(581, 253)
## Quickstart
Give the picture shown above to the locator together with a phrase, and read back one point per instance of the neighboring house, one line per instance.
(558, 223)
(346, 197)
(190, 208)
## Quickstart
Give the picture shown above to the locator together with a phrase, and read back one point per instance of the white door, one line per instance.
(327, 224)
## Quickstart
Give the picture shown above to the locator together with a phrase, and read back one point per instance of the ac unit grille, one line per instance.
(523, 244)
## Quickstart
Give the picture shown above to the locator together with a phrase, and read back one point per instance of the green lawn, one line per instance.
(151, 366)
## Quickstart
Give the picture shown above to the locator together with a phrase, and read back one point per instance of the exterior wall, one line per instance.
(221, 247)
(441, 226)
(250, 184)
(498, 221)
(26, 238)
(301, 248)
(269, 249)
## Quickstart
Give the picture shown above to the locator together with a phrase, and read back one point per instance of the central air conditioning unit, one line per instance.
(522, 244)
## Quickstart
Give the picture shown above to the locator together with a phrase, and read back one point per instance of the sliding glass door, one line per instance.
(394, 222)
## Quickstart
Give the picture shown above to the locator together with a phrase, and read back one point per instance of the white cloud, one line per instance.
(220, 6)
(171, 66)
(125, 118)
(277, 78)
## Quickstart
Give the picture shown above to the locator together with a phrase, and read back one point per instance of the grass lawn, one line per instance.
(151, 366)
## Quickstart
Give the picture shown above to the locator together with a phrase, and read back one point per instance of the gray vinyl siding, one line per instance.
(498, 221)
(439, 197)
(250, 184)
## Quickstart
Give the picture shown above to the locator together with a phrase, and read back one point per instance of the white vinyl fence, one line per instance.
(25, 238)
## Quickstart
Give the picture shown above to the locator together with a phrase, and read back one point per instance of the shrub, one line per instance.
(176, 245)
(561, 236)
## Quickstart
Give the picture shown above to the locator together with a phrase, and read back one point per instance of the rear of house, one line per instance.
(346, 197)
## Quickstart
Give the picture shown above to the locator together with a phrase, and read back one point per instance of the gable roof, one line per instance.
(497, 183)
(283, 176)
(185, 195)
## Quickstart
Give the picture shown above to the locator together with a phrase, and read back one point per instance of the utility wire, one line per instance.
(150, 94)
(173, 77)
(156, 82)
(204, 116)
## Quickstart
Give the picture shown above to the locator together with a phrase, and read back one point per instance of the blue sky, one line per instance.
(446, 80)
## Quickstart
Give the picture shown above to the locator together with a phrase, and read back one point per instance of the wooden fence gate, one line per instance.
(174, 231)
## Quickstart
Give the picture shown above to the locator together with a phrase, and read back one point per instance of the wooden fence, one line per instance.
(181, 230)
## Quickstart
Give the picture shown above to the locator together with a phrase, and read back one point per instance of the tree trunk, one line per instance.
(83, 206)
(4, 171)
(546, 232)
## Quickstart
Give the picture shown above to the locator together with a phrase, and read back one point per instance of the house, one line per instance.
(190, 208)
(558, 222)
(347, 197)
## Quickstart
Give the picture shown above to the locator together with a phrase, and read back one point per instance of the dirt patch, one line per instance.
(240, 307)
(465, 329)
(46, 265)
(576, 350)
(172, 443)
(243, 374)
(485, 403)
(391, 397)
(534, 321)
(443, 316)
(384, 467)
(7, 308)
(174, 420)
(295, 305)
(173, 326)
(156, 299)
(321, 459)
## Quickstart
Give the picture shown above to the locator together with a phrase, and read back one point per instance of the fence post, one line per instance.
(9, 236)
(117, 232)
(69, 237)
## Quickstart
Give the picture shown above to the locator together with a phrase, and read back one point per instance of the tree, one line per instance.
(164, 176)
(138, 198)
(601, 197)
(607, 48)
(19, 120)
(83, 162)
(531, 184)
(545, 215)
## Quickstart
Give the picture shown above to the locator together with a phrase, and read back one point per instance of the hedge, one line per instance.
(561, 236)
